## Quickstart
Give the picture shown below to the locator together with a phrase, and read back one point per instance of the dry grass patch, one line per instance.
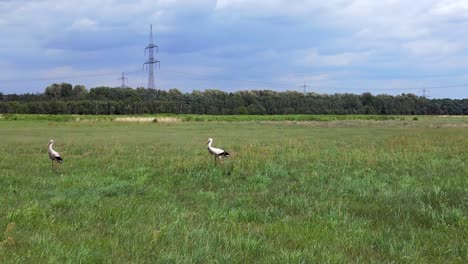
(167, 119)
(135, 119)
(463, 116)
(163, 119)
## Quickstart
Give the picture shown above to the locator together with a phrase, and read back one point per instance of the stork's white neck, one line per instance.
(50, 145)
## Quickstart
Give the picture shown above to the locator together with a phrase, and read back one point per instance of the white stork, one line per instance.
(216, 152)
(54, 155)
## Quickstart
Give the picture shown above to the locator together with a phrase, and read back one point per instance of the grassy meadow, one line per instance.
(355, 190)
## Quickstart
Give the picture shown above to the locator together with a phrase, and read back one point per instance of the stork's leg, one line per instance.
(215, 160)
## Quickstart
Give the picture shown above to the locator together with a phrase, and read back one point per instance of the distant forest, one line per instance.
(65, 98)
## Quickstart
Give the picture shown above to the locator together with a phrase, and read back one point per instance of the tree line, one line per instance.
(64, 98)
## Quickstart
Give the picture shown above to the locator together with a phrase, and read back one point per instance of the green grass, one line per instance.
(355, 191)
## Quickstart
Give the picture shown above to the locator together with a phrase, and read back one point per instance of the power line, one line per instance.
(151, 62)
(123, 78)
(424, 93)
(235, 80)
(304, 86)
(264, 82)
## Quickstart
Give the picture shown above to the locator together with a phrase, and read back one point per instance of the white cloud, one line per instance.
(278, 7)
(368, 19)
(84, 24)
(454, 8)
(431, 47)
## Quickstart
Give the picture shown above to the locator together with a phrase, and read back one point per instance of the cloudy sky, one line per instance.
(386, 46)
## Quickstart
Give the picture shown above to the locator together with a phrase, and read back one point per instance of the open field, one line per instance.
(292, 191)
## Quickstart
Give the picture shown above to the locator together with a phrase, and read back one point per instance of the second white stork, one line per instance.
(54, 155)
(216, 152)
